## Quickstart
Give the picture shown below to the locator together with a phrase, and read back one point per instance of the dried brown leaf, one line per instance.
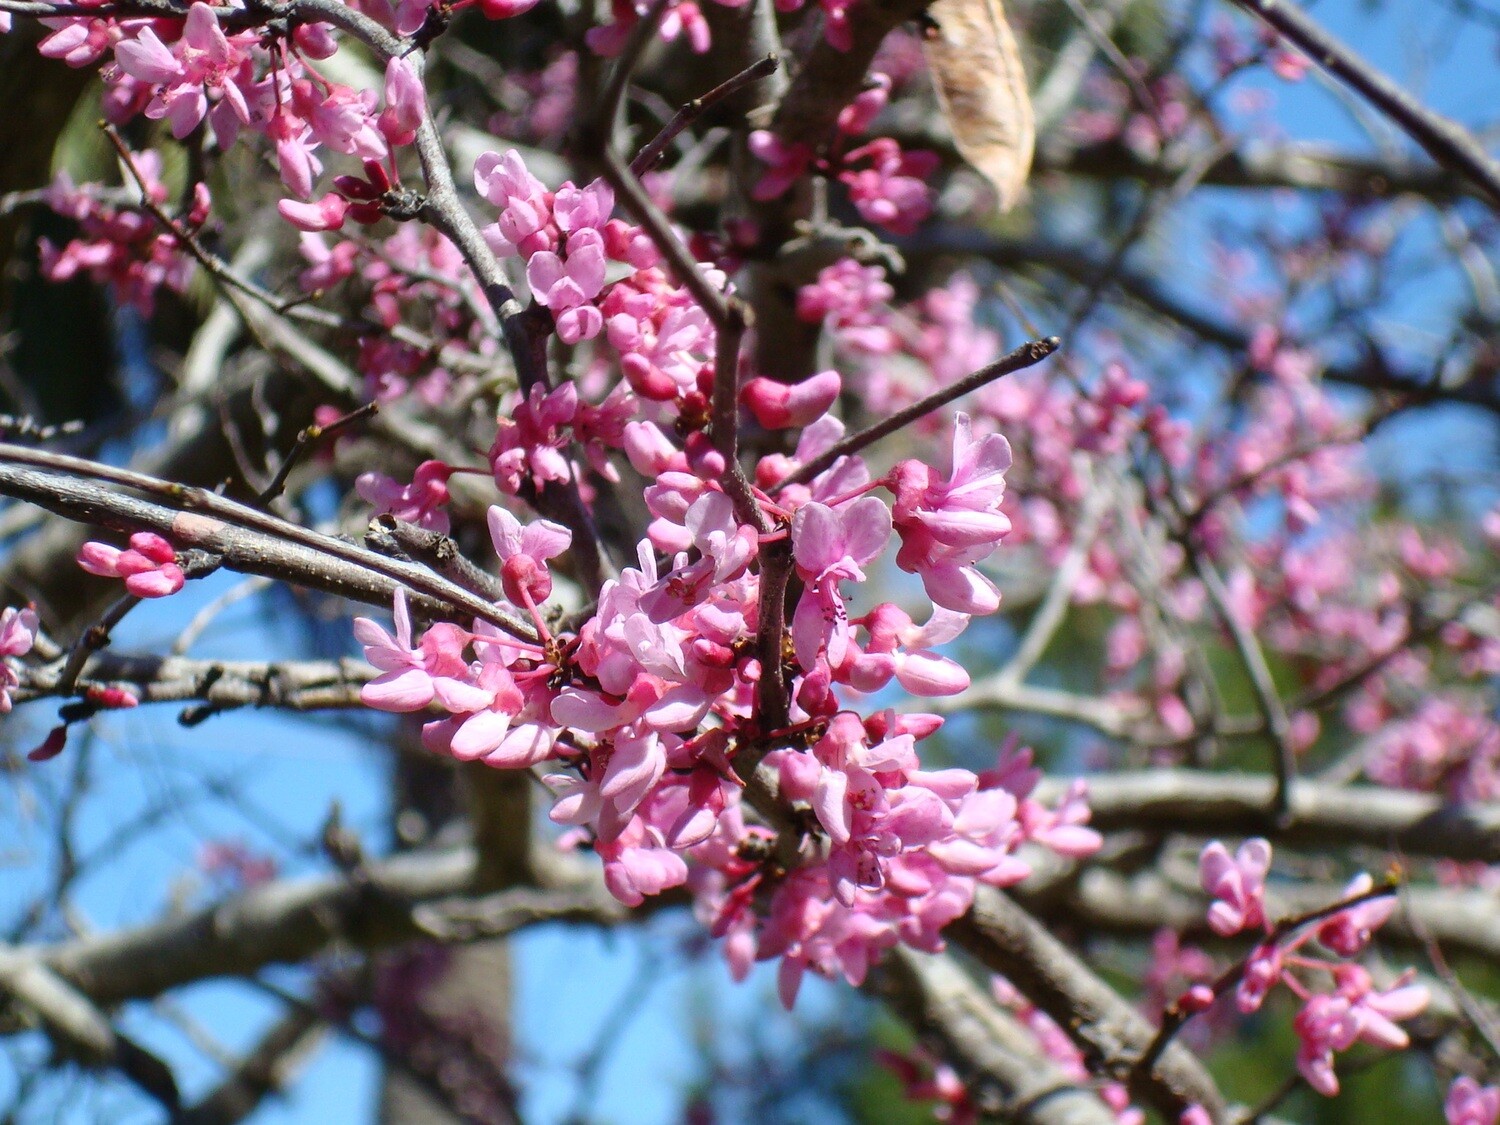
(981, 86)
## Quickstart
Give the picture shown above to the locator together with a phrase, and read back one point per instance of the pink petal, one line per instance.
(145, 58)
(525, 745)
(479, 734)
(100, 559)
(156, 583)
(831, 806)
(398, 691)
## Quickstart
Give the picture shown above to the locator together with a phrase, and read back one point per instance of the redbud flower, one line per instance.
(1325, 1025)
(505, 9)
(51, 746)
(17, 635)
(524, 552)
(1349, 931)
(422, 502)
(1262, 971)
(1198, 998)
(785, 163)
(779, 405)
(403, 103)
(149, 567)
(1469, 1103)
(325, 214)
(413, 677)
(114, 698)
(831, 546)
(858, 115)
(948, 526)
(1237, 884)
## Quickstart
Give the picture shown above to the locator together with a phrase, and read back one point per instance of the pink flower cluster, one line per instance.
(423, 502)
(148, 566)
(189, 70)
(1449, 744)
(924, 1079)
(121, 244)
(566, 238)
(685, 18)
(1353, 1010)
(887, 185)
(646, 714)
(416, 275)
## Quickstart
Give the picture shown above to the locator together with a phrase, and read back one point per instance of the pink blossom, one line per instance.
(831, 547)
(423, 502)
(1063, 829)
(505, 9)
(785, 164)
(859, 114)
(1237, 885)
(529, 443)
(633, 870)
(893, 191)
(1469, 1103)
(725, 548)
(404, 103)
(948, 526)
(17, 634)
(202, 63)
(898, 647)
(985, 836)
(79, 40)
(411, 678)
(1263, 969)
(149, 567)
(778, 405)
(342, 118)
(502, 726)
(1325, 1025)
(51, 746)
(1329, 1023)
(850, 299)
(524, 551)
(565, 285)
(1349, 931)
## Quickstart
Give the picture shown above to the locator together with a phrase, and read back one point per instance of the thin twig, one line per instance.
(1445, 140)
(92, 639)
(635, 46)
(689, 273)
(1262, 683)
(651, 154)
(308, 437)
(1027, 355)
(193, 501)
(1481, 1020)
(1175, 1017)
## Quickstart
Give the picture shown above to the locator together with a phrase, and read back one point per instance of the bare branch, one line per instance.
(1235, 804)
(1446, 141)
(1002, 1070)
(1106, 1027)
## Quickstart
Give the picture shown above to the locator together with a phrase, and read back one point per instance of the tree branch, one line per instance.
(1446, 141)
(1106, 1027)
(1004, 1073)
